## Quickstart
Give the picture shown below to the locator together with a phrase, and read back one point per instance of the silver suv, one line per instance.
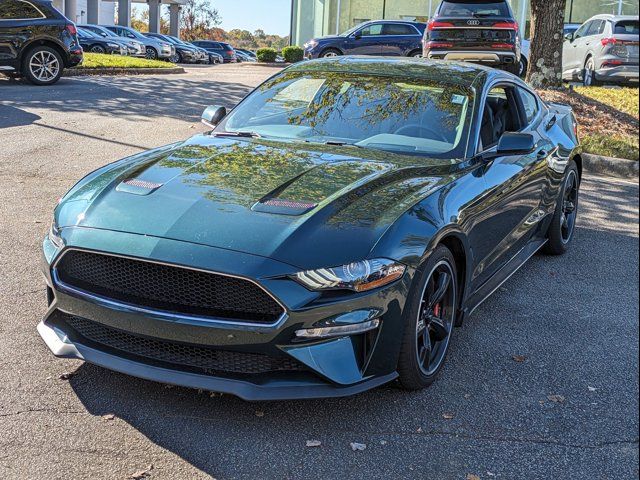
(603, 49)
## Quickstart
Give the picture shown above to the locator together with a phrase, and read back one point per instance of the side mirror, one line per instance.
(213, 115)
(569, 36)
(357, 35)
(516, 144)
(131, 35)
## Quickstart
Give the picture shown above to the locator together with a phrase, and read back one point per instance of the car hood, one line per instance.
(309, 207)
(328, 38)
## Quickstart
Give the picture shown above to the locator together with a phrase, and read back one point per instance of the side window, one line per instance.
(582, 31)
(500, 115)
(18, 10)
(530, 104)
(372, 30)
(398, 29)
(594, 29)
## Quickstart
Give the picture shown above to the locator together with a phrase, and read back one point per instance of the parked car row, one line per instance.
(605, 48)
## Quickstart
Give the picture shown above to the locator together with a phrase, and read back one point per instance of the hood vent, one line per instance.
(138, 187)
(283, 206)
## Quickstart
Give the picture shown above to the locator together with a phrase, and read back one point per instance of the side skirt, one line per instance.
(502, 275)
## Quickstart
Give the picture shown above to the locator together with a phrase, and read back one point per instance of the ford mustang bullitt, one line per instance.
(323, 238)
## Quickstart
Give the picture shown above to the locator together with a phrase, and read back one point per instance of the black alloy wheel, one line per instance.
(98, 49)
(432, 318)
(563, 223)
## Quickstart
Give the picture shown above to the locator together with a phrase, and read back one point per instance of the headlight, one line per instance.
(54, 235)
(113, 45)
(311, 44)
(356, 276)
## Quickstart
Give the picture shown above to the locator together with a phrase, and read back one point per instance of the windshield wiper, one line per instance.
(237, 134)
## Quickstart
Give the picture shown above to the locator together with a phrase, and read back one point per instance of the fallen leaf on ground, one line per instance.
(467, 395)
(259, 413)
(313, 443)
(592, 389)
(109, 416)
(448, 416)
(556, 398)
(383, 442)
(519, 358)
(66, 376)
(358, 447)
(140, 474)
(471, 476)
(419, 430)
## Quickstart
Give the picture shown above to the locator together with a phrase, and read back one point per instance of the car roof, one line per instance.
(408, 22)
(615, 18)
(459, 73)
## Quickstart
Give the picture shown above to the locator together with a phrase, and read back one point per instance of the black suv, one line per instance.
(474, 31)
(36, 41)
(221, 48)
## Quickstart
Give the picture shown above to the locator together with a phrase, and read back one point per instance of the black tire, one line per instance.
(151, 53)
(415, 54)
(50, 62)
(562, 227)
(415, 373)
(97, 49)
(524, 66)
(589, 73)
(330, 52)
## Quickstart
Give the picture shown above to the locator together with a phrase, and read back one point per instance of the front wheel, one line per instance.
(330, 52)
(42, 66)
(429, 320)
(98, 49)
(563, 224)
(151, 53)
(524, 66)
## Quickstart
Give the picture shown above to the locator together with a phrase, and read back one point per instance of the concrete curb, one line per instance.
(78, 72)
(615, 167)
(260, 64)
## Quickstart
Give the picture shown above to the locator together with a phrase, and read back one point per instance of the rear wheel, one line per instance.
(524, 66)
(42, 66)
(564, 219)
(430, 318)
(589, 73)
(416, 54)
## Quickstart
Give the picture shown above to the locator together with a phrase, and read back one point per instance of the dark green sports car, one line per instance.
(324, 238)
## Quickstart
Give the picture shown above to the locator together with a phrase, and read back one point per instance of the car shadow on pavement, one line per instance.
(15, 117)
(145, 97)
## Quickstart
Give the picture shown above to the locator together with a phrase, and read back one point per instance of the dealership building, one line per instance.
(316, 18)
(103, 12)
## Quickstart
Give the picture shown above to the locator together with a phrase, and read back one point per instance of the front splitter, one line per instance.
(276, 390)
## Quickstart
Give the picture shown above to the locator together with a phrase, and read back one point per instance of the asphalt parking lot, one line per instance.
(565, 407)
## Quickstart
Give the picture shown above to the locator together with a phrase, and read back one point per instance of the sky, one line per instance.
(272, 16)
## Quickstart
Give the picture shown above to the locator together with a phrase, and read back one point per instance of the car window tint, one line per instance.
(582, 31)
(530, 104)
(399, 29)
(18, 10)
(372, 30)
(594, 28)
(627, 27)
(473, 8)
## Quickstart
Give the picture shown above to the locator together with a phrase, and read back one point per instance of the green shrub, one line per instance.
(266, 55)
(293, 54)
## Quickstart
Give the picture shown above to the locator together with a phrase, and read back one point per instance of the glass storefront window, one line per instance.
(317, 18)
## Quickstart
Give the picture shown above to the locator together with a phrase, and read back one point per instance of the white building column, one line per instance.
(71, 10)
(124, 13)
(93, 11)
(154, 16)
(174, 20)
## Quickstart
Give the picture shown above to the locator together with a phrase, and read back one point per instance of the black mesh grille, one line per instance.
(196, 356)
(168, 288)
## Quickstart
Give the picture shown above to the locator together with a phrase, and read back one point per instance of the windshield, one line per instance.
(470, 8)
(136, 34)
(352, 30)
(398, 114)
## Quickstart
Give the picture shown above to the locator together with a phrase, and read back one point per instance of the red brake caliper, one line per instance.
(436, 310)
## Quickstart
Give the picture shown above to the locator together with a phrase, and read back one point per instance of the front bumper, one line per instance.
(330, 367)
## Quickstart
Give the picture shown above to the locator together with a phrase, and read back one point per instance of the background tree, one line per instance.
(198, 19)
(547, 26)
